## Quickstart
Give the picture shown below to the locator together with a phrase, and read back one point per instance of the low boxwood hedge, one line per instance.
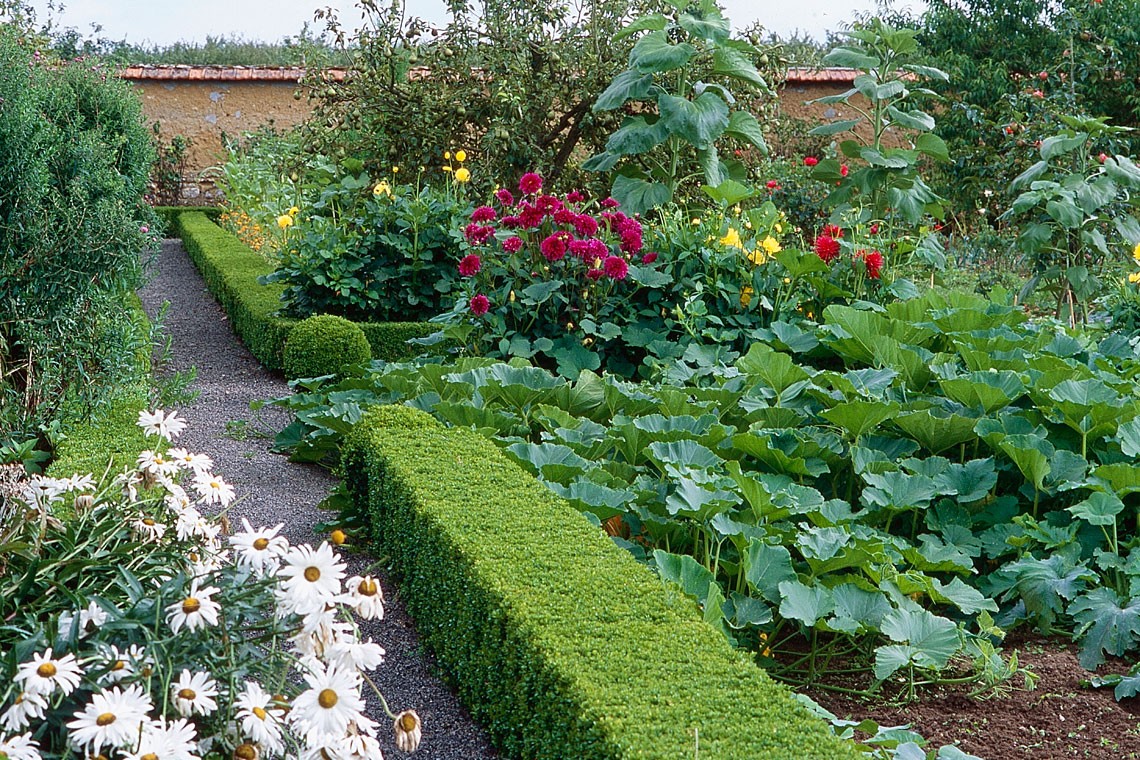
(560, 643)
(231, 271)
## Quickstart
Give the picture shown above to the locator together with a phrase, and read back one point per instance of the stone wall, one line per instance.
(204, 103)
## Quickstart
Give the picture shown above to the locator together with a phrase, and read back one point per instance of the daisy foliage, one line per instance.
(172, 639)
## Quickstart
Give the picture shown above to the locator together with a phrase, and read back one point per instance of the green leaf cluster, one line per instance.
(678, 106)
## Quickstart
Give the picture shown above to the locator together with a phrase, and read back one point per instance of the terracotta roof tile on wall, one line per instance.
(294, 74)
(821, 76)
(220, 73)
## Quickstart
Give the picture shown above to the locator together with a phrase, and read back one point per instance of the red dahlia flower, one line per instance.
(483, 214)
(503, 196)
(554, 246)
(513, 244)
(873, 260)
(530, 183)
(649, 258)
(827, 248)
(479, 305)
(575, 196)
(609, 203)
(810, 161)
(616, 268)
(470, 265)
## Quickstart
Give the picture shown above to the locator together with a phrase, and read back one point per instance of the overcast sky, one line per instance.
(162, 22)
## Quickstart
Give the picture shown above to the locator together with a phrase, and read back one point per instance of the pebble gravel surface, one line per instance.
(273, 490)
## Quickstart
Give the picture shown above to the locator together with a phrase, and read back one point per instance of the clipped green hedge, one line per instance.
(559, 643)
(322, 344)
(231, 269)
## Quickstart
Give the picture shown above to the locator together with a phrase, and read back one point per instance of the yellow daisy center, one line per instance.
(312, 574)
(408, 722)
(261, 544)
(118, 665)
(327, 698)
(187, 694)
(190, 605)
(46, 670)
(245, 752)
(260, 713)
(105, 719)
(368, 587)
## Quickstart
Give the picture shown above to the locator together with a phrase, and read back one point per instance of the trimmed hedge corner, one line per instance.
(231, 272)
(322, 345)
(559, 643)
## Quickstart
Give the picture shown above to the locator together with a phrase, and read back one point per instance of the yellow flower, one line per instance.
(778, 228)
(1134, 277)
(446, 168)
(382, 188)
(757, 257)
(293, 211)
(746, 295)
(696, 222)
(460, 156)
(284, 221)
(771, 245)
(395, 170)
(1136, 253)
(732, 239)
(462, 175)
(447, 155)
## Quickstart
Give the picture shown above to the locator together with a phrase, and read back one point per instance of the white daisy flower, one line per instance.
(113, 718)
(162, 740)
(148, 529)
(259, 550)
(156, 463)
(22, 747)
(194, 693)
(196, 611)
(81, 483)
(366, 597)
(45, 673)
(92, 616)
(362, 747)
(207, 561)
(213, 489)
(326, 747)
(43, 491)
(329, 705)
(159, 423)
(186, 526)
(194, 462)
(260, 720)
(27, 707)
(310, 579)
(358, 655)
(121, 663)
(409, 730)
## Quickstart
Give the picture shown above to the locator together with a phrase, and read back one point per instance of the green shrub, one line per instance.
(560, 644)
(323, 344)
(74, 164)
(370, 251)
(232, 272)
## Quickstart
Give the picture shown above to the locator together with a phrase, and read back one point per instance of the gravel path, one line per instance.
(271, 490)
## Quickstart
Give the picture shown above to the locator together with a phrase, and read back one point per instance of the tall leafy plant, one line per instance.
(886, 181)
(1069, 201)
(679, 106)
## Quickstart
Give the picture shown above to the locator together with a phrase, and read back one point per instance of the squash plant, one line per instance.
(676, 92)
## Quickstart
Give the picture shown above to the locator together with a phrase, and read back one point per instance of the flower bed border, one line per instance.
(560, 643)
(109, 437)
(231, 271)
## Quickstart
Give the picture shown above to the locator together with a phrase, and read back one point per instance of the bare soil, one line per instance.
(1061, 718)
